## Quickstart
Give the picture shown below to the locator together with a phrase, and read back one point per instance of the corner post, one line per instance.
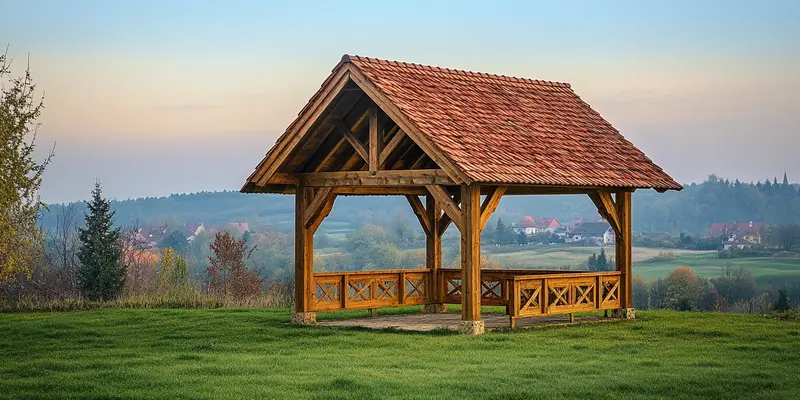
(303, 261)
(433, 256)
(623, 255)
(471, 260)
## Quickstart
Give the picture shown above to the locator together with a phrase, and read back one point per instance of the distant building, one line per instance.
(748, 231)
(736, 242)
(529, 226)
(591, 233)
(194, 230)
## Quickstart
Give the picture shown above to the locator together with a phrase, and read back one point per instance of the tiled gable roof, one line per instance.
(499, 129)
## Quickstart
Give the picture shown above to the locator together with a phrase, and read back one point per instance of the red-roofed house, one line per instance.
(749, 231)
(530, 226)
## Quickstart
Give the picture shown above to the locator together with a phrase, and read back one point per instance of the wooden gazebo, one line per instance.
(444, 139)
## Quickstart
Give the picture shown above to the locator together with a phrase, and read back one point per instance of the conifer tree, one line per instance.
(101, 274)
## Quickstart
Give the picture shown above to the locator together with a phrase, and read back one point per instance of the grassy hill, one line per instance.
(255, 354)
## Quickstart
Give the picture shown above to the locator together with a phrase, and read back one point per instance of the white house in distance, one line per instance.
(530, 226)
(593, 233)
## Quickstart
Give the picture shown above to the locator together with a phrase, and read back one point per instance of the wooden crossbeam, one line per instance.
(391, 146)
(321, 197)
(328, 156)
(348, 134)
(606, 207)
(490, 204)
(375, 141)
(444, 221)
(448, 205)
(420, 212)
(380, 191)
(404, 178)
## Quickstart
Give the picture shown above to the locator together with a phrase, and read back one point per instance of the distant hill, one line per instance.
(691, 210)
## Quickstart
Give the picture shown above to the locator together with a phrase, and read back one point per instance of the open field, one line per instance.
(705, 263)
(253, 354)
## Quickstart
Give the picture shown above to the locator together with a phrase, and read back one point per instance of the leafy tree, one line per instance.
(683, 289)
(228, 273)
(735, 284)
(787, 235)
(101, 274)
(21, 241)
(173, 272)
(782, 304)
(175, 241)
(522, 238)
(641, 293)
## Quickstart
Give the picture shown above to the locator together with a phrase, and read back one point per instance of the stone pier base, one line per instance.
(624, 313)
(434, 308)
(471, 327)
(304, 318)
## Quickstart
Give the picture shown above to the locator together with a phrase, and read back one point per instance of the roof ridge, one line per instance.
(348, 58)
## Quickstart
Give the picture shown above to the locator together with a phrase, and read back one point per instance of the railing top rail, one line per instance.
(513, 271)
(582, 274)
(373, 272)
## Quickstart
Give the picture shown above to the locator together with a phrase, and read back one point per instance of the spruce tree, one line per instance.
(602, 261)
(101, 273)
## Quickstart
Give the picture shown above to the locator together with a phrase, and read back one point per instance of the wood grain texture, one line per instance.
(470, 253)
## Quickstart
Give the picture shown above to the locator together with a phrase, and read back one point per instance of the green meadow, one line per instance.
(705, 263)
(253, 353)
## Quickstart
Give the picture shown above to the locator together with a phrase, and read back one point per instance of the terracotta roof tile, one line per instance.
(501, 129)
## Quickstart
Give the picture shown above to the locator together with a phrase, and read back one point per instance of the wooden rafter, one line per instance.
(420, 212)
(448, 205)
(419, 177)
(400, 119)
(396, 139)
(362, 119)
(607, 208)
(353, 140)
(278, 154)
(490, 204)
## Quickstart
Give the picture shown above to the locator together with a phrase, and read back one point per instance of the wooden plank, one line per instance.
(433, 249)
(419, 211)
(363, 118)
(420, 177)
(321, 197)
(363, 274)
(381, 191)
(448, 205)
(375, 141)
(298, 129)
(606, 207)
(304, 255)
(490, 204)
(470, 253)
(623, 249)
(391, 146)
(353, 140)
(406, 125)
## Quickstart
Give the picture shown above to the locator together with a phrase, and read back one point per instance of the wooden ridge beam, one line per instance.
(448, 205)
(345, 131)
(490, 204)
(420, 212)
(420, 177)
(608, 209)
(321, 197)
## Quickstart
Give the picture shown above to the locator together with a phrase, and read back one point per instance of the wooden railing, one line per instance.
(369, 289)
(563, 293)
(493, 288)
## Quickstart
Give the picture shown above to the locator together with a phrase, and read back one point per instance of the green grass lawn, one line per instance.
(253, 354)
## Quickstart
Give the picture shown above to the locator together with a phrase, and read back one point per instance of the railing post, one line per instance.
(401, 288)
(598, 291)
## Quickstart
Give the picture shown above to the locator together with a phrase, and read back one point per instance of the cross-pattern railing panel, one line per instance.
(369, 289)
(563, 293)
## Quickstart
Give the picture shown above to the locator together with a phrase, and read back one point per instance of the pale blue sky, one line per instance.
(157, 97)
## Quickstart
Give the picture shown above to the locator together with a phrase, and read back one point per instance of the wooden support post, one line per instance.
(304, 296)
(471, 260)
(433, 255)
(623, 249)
(375, 140)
